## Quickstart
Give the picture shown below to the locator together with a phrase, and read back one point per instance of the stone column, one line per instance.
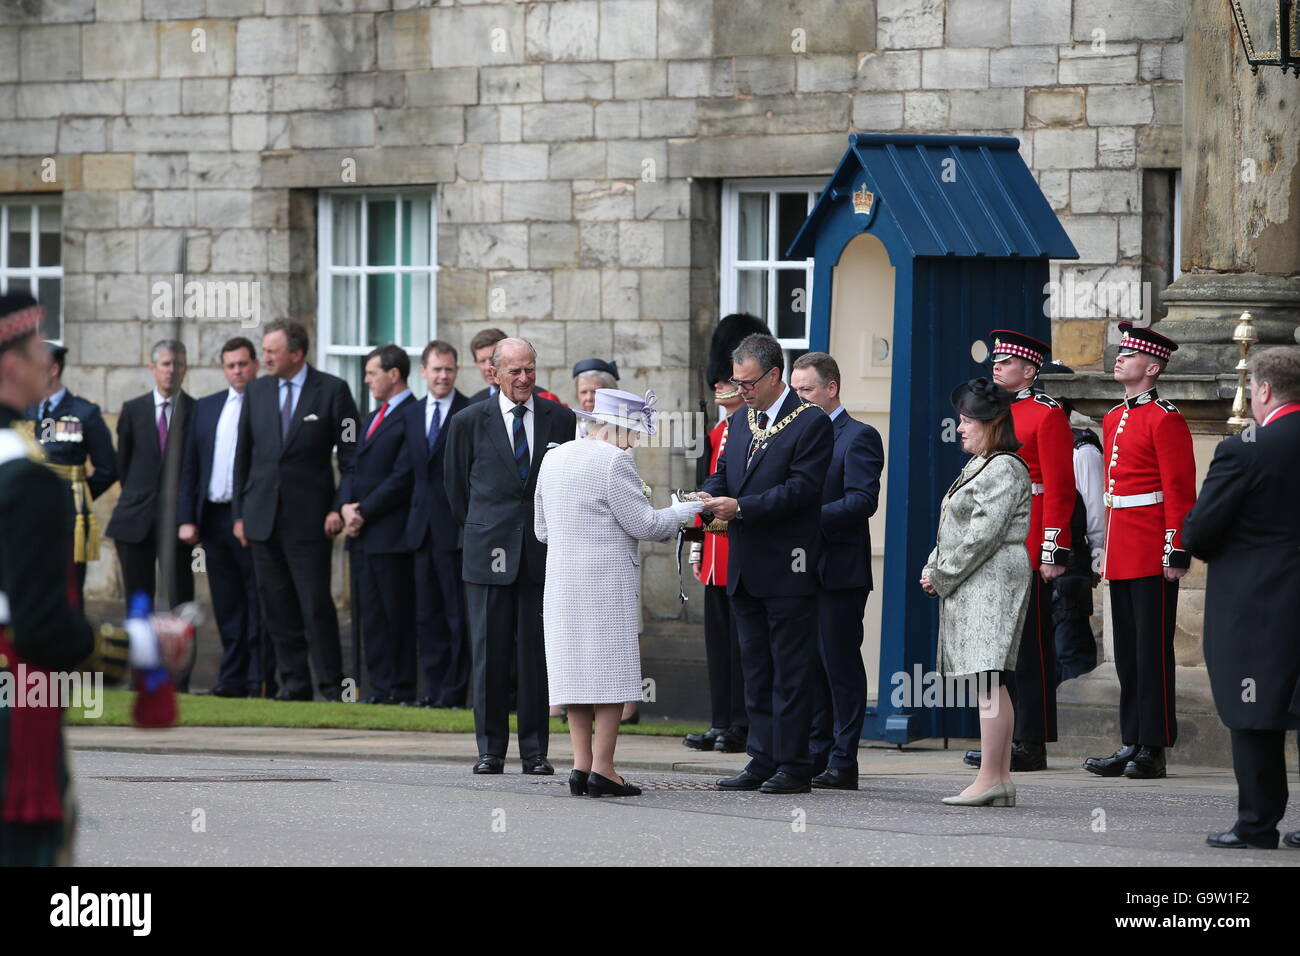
(1240, 199)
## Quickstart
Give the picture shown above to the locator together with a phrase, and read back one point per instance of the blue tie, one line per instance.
(521, 442)
(434, 425)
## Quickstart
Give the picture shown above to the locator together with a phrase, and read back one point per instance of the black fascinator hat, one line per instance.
(981, 399)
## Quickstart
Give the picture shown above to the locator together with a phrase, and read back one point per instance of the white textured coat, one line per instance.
(980, 566)
(590, 511)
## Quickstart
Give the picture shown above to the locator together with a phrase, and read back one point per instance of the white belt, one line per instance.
(1134, 501)
(1036, 488)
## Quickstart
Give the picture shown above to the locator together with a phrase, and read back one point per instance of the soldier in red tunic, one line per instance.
(729, 730)
(1150, 488)
(1048, 449)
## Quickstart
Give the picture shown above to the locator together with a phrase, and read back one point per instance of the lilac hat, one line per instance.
(616, 407)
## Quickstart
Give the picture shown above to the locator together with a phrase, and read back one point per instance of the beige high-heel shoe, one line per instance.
(999, 795)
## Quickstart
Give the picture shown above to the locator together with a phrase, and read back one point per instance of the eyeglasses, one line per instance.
(748, 386)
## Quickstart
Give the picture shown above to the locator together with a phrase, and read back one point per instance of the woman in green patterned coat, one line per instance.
(39, 629)
(979, 570)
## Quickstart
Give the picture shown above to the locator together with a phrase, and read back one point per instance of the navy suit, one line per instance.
(849, 499)
(772, 577)
(434, 537)
(380, 484)
(247, 659)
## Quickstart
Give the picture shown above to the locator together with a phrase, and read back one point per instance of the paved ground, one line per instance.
(356, 798)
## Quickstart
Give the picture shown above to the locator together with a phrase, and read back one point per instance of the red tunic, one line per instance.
(1148, 449)
(1048, 449)
(713, 564)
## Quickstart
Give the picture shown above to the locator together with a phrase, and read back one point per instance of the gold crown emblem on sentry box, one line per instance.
(863, 199)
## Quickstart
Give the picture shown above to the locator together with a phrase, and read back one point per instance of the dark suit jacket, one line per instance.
(1246, 525)
(196, 465)
(293, 479)
(775, 545)
(430, 514)
(849, 498)
(380, 482)
(141, 464)
(486, 495)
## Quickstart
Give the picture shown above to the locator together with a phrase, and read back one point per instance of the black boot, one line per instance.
(703, 741)
(1112, 766)
(1147, 764)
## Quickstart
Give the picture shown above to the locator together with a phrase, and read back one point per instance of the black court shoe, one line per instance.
(578, 782)
(598, 786)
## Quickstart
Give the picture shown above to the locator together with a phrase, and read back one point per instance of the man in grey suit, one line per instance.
(493, 453)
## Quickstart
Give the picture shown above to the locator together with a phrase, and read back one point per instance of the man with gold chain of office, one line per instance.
(72, 433)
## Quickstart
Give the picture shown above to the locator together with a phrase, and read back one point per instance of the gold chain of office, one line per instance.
(763, 434)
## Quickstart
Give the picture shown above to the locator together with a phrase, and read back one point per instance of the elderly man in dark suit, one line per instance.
(849, 499)
(494, 450)
(203, 512)
(150, 438)
(434, 536)
(1246, 525)
(291, 423)
(374, 500)
(768, 487)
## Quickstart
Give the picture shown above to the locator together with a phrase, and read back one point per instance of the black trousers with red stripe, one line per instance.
(1143, 611)
(1033, 685)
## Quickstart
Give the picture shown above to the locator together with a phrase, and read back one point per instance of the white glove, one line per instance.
(684, 511)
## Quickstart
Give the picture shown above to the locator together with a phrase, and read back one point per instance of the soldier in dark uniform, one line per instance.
(40, 630)
(72, 431)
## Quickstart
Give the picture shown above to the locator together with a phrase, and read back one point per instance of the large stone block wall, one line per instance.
(576, 147)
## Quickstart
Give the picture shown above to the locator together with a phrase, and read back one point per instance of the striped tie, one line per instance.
(521, 442)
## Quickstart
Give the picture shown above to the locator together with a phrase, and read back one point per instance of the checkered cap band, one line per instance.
(20, 323)
(1129, 343)
(1020, 351)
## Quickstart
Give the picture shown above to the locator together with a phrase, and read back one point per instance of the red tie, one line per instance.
(378, 418)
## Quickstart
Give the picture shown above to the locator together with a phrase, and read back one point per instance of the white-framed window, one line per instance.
(760, 218)
(377, 283)
(31, 254)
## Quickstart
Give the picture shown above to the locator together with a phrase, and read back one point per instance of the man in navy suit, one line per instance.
(768, 487)
(434, 536)
(374, 500)
(203, 515)
(849, 499)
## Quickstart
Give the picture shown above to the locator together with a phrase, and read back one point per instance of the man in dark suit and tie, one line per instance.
(203, 512)
(494, 451)
(768, 487)
(374, 501)
(434, 536)
(289, 427)
(150, 438)
(849, 499)
(1246, 525)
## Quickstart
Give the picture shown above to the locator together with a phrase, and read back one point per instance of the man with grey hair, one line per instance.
(1246, 526)
(149, 435)
(768, 487)
(494, 450)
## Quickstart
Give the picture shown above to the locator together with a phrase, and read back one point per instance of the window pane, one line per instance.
(19, 284)
(345, 304)
(415, 231)
(351, 368)
(751, 292)
(381, 232)
(51, 244)
(415, 304)
(20, 236)
(347, 232)
(51, 296)
(791, 211)
(791, 303)
(752, 226)
(381, 308)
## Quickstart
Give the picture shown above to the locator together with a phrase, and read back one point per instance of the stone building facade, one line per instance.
(577, 151)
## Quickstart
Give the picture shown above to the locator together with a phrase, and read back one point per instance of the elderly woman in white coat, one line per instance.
(980, 571)
(591, 509)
